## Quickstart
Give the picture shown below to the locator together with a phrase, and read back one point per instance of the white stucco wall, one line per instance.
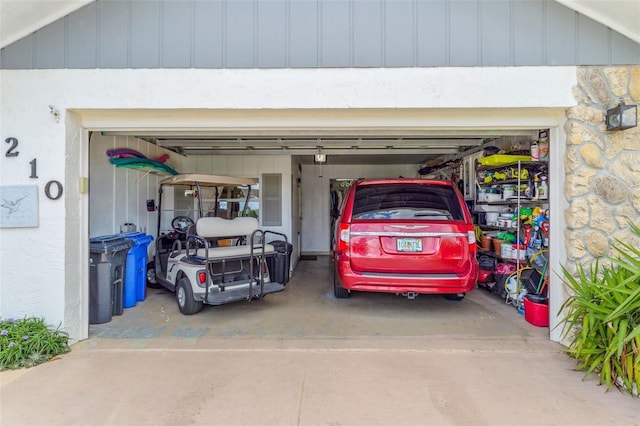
(43, 270)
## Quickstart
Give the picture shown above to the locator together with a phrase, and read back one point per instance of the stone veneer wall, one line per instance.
(602, 168)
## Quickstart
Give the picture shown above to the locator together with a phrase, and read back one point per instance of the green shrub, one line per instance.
(28, 342)
(603, 317)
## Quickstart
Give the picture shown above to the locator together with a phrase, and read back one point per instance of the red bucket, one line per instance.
(536, 313)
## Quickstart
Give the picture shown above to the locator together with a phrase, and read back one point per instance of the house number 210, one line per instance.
(53, 189)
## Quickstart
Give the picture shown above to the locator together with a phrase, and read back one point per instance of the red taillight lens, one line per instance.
(471, 235)
(202, 277)
(343, 237)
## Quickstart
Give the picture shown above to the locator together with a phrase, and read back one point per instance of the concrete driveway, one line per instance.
(303, 357)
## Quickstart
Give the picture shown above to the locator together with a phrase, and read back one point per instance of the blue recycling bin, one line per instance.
(136, 270)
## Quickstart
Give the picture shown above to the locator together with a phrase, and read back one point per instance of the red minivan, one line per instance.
(404, 236)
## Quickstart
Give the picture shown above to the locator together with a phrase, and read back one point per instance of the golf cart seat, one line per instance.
(209, 229)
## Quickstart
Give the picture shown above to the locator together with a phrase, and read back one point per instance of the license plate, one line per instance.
(409, 244)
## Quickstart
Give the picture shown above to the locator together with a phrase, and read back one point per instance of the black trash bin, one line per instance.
(280, 263)
(107, 262)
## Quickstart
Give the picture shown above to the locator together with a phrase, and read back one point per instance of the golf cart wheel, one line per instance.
(339, 291)
(152, 282)
(456, 297)
(184, 295)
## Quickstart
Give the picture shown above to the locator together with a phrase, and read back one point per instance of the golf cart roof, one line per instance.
(190, 179)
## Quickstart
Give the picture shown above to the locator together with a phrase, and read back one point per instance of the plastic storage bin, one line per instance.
(136, 276)
(506, 250)
(280, 263)
(107, 269)
(536, 312)
(518, 251)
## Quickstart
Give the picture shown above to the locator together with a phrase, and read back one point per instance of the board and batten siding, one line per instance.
(319, 34)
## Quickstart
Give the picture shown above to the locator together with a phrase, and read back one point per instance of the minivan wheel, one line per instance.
(338, 290)
(184, 295)
(457, 296)
(152, 282)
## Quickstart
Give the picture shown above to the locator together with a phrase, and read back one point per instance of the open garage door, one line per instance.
(307, 156)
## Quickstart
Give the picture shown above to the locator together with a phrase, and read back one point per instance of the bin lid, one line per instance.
(138, 238)
(281, 246)
(108, 244)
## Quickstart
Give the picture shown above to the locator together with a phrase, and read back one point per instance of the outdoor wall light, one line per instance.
(622, 116)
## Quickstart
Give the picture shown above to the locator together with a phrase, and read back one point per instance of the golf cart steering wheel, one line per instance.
(181, 224)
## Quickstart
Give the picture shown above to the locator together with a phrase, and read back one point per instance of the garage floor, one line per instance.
(308, 310)
(302, 357)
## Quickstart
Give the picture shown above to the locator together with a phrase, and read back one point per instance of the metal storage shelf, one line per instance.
(511, 203)
(496, 228)
(514, 164)
(497, 256)
(517, 202)
(499, 182)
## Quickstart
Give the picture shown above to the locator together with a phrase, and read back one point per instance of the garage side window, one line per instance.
(271, 189)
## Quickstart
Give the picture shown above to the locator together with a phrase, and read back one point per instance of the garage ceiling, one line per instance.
(359, 147)
(341, 149)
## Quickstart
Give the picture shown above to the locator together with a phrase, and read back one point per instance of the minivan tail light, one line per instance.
(471, 235)
(343, 237)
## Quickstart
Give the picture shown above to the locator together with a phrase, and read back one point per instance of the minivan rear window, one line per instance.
(407, 201)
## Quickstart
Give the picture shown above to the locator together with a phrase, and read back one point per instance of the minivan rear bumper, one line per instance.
(400, 283)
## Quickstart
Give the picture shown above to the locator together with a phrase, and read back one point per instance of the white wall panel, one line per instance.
(316, 221)
(119, 195)
(251, 166)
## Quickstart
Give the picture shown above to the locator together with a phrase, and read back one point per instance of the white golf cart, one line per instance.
(215, 253)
